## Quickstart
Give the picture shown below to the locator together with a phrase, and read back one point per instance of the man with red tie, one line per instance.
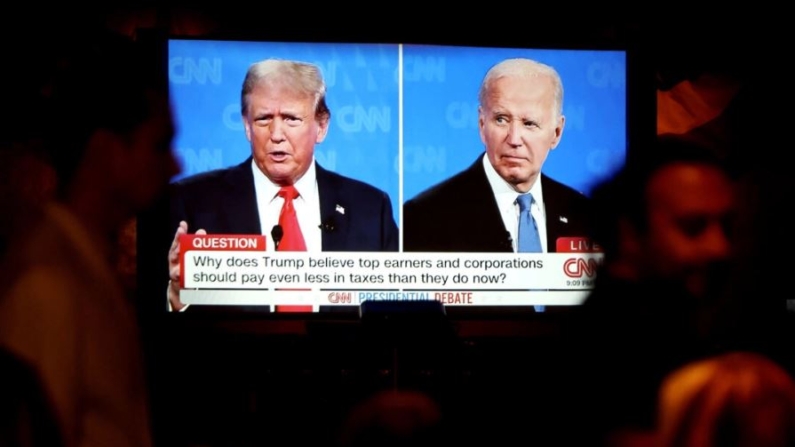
(281, 191)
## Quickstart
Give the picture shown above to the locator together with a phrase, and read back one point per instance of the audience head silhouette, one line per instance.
(393, 418)
(734, 400)
(667, 216)
(111, 128)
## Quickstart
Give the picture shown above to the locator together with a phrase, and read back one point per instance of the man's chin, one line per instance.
(517, 178)
(284, 173)
(280, 175)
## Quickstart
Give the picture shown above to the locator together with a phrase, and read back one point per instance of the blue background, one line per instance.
(439, 109)
(441, 137)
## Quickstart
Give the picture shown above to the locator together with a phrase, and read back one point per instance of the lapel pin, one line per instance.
(564, 219)
(340, 209)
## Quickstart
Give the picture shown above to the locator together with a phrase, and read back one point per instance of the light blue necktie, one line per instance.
(529, 240)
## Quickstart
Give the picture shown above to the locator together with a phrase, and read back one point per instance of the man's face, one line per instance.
(689, 210)
(283, 130)
(147, 164)
(519, 126)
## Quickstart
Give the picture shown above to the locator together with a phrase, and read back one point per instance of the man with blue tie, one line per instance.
(502, 202)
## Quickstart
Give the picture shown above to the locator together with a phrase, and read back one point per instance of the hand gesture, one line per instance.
(174, 267)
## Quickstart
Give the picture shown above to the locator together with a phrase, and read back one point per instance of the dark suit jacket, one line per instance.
(224, 202)
(460, 214)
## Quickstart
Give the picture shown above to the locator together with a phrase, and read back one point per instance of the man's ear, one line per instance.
(558, 131)
(322, 124)
(247, 126)
(481, 123)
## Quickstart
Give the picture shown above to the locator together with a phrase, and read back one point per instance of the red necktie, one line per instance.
(292, 240)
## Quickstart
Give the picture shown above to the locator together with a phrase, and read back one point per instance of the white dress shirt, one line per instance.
(307, 207)
(509, 209)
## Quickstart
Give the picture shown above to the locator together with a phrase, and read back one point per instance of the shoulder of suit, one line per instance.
(451, 187)
(548, 182)
(344, 183)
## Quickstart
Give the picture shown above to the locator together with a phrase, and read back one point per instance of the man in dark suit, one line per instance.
(284, 114)
(354, 215)
(520, 120)
(461, 214)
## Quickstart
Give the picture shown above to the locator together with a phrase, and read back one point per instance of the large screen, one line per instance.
(403, 119)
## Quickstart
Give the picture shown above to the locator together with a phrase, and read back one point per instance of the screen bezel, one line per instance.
(640, 129)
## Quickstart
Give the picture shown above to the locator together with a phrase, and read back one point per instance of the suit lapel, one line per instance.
(334, 211)
(557, 222)
(487, 222)
(240, 208)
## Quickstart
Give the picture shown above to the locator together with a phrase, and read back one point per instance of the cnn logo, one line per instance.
(340, 298)
(579, 267)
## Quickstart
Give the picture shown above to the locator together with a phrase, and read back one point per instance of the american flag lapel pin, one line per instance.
(340, 209)
(564, 219)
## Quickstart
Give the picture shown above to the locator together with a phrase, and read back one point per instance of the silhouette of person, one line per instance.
(665, 224)
(735, 399)
(393, 418)
(107, 129)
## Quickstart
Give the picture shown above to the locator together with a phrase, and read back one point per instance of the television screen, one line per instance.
(403, 118)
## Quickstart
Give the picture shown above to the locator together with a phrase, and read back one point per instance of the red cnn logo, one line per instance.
(340, 297)
(577, 267)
